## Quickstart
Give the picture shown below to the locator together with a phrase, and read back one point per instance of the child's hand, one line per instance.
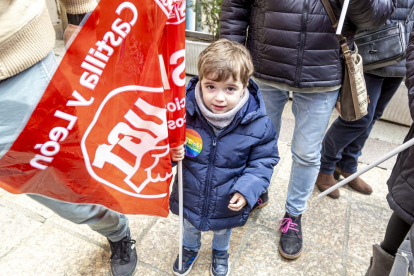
(237, 202)
(177, 154)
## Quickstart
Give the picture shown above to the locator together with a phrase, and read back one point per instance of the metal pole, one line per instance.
(404, 146)
(180, 212)
(342, 17)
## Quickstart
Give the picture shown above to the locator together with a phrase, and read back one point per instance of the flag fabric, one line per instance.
(101, 132)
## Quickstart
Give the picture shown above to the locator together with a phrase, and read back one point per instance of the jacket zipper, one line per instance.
(209, 171)
(302, 42)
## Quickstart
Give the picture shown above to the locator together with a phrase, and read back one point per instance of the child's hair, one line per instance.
(223, 59)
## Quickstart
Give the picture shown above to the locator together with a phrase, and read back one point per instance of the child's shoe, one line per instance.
(189, 258)
(290, 245)
(220, 263)
(262, 201)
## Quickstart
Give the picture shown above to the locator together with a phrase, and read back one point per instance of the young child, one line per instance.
(230, 152)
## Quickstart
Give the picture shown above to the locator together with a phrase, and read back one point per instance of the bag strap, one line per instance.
(342, 40)
(409, 15)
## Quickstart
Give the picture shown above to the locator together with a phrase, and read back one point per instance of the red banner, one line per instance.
(102, 130)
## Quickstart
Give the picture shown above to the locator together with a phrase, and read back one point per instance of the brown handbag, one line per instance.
(353, 97)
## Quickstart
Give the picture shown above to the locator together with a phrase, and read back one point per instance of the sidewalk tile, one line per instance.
(26, 202)
(159, 247)
(356, 268)
(261, 257)
(54, 252)
(377, 178)
(367, 226)
(16, 227)
(324, 221)
(136, 224)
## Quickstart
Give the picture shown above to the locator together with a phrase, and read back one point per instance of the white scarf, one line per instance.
(219, 120)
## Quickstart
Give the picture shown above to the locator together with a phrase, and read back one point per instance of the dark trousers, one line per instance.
(344, 140)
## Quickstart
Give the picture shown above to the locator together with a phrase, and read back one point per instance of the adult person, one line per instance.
(294, 48)
(27, 64)
(401, 191)
(344, 140)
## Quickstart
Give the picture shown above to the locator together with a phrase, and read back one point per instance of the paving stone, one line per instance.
(142, 270)
(27, 203)
(377, 178)
(367, 225)
(356, 267)
(160, 246)
(52, 251)
(375, 149)
(324, 221)
(136, 224)
(270, 215)
(261, 257)
(15, 228)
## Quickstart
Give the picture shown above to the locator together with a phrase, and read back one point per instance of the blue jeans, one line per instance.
(19, 95)
(192, 238)
(312, 112)
(344, 140)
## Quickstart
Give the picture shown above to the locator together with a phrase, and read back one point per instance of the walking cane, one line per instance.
(404, 146)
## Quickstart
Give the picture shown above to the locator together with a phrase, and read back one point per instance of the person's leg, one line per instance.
(106, 222)
(220, 256)
(191, 237)
(191, 247)
(312, 112)
(221, 240)
(19, 96)
(395, 234)
(379, 102)
(384, 254)
(275, 100)
(342, 133)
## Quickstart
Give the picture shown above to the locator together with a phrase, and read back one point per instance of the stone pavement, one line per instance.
(338, 234)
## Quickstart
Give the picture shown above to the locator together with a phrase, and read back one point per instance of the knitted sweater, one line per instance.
(26, 32)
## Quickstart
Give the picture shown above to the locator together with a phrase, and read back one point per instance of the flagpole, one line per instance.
(404, 146)
(180, 212)
(342, 17)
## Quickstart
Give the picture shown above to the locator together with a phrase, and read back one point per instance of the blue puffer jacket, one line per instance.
(240, 159)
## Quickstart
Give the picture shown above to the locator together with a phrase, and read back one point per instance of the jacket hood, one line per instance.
(252, 110)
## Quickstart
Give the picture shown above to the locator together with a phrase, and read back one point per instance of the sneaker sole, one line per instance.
(260, 206)
(211, 271)
(290, 257)
(189, 269)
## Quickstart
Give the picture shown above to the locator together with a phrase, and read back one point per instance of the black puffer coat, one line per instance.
(292, 41)
(401, 13)
(401, 182)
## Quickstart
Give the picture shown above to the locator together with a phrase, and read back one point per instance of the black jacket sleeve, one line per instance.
(234, 19)
(409, 82)
(368, 14)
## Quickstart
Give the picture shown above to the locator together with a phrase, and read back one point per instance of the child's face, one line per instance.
(221, 97)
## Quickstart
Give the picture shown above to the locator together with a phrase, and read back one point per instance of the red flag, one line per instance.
(101, 132)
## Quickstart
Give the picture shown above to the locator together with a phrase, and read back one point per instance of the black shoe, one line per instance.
(262, 201)
(290, 245)
(123, 257)
(189, 258)
(220, 263)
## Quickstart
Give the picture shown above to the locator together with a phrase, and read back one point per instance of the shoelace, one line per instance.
(124, 247)
(287, 224)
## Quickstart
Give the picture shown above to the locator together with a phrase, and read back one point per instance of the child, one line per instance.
(231, 151)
